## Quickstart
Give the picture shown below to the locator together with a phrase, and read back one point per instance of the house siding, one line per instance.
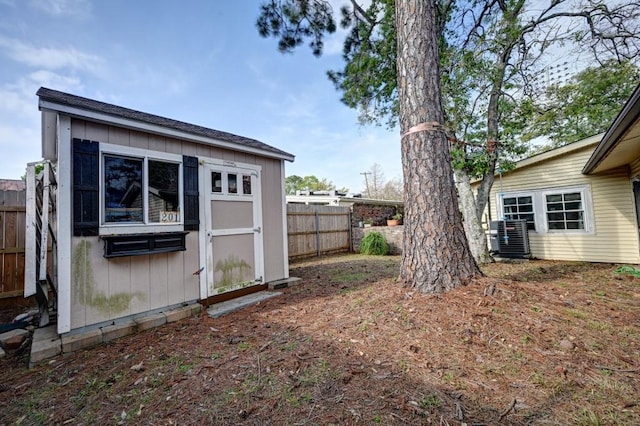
(107, 289)
(615, 236)
(635, 168)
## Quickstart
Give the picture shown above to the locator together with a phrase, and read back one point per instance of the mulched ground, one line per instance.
(537, 342)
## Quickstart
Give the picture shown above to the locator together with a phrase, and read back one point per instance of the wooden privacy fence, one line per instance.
(12, 229)
(316, 230)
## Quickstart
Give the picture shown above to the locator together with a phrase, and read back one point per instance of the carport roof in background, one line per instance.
(66, 99)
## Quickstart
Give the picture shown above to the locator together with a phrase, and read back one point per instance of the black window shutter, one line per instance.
(191, 195)
(85, 187)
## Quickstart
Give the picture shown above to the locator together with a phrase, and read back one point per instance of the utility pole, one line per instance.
(366, 183)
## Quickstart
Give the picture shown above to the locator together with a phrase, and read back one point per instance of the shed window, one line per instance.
(126, 180)
(164, 195)
(232, 184)
(123, 196)
(141, 191)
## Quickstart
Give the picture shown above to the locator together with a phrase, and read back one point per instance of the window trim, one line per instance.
(587, 208)
(540, 208)
(108, 228)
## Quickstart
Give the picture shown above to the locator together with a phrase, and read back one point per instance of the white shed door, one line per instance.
(233, 220)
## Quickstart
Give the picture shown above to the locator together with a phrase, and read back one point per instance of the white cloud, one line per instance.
(50, 58)
(74, 8)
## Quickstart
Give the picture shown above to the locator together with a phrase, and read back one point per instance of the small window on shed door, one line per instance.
(216, 182)
(232, 183)
(246, 184)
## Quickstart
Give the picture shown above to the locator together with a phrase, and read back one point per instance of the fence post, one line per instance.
(350, 219)
(317, 232)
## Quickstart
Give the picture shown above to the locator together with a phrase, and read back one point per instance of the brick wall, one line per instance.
(377, 214)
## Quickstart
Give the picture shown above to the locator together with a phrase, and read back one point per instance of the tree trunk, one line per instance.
(436, 256)
(472, 223)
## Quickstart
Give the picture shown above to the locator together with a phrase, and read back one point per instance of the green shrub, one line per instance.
(374, 243)
(629, 270)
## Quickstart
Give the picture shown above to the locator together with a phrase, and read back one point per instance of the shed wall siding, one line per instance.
(155, 281)
(616, 233)
(108, 289)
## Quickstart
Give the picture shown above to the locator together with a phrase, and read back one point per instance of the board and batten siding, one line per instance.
(615, 236)
(106, 289)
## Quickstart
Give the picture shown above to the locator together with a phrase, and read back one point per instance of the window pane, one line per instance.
(123, 189)
(526, 208)
(527, 217)
(554, 198)
(555, 207)
(573, 206)
(246, 184)
(509, 201)
(574, 215)
(556, 225)
(555, 216)
(216, 182)
(232, 183)
(574, 196)
(164, 204)
(575, 225)
(524, 200)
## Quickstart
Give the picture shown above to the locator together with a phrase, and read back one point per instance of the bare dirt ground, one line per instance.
(531, 343)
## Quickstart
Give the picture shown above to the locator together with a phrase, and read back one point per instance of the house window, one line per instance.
(520, 208)
(554, 210)
(565, 211)
(141, 191)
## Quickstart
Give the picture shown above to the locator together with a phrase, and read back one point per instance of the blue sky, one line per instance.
(202, 62)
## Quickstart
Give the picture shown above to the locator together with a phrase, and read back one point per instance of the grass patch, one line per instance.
(350, 277)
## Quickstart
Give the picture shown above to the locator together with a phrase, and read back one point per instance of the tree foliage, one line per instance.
(295, 183)
(583, 107)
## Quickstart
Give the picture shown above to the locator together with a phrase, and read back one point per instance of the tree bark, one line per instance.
(472, 223)
(436, 256)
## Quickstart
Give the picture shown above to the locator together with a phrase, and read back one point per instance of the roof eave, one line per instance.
(618, 128)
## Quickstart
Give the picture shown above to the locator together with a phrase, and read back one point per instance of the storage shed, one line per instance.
(149, 213)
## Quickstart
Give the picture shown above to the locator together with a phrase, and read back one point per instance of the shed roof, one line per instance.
(12, 185)
(79, 106)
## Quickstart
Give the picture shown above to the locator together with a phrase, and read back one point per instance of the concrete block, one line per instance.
(46, 344)
(116, 331)
(151, 321)
(284, 283)
(178, 314)
(82, 340)
(13, 339)
(196, 308)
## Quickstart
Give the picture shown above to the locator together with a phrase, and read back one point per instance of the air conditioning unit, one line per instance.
(511, 238)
